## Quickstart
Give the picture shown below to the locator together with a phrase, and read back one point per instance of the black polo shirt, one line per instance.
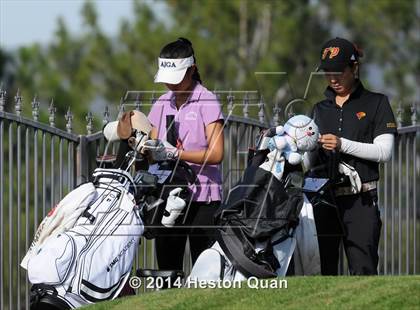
(364, 116)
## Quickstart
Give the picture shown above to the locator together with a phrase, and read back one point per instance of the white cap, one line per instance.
(172, 71)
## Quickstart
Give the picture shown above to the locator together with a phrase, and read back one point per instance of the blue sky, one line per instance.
(27, 21)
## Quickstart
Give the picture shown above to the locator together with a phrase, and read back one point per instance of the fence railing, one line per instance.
(40, 163)
(400, 212)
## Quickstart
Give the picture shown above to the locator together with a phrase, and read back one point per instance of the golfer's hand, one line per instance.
(330, 142)
(160, 150)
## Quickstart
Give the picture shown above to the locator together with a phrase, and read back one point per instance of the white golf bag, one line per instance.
(90, 259)
(83, 250)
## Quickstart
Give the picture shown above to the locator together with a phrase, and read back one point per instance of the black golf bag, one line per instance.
(256, 224)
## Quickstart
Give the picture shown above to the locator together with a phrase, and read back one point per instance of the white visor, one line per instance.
(172, 71)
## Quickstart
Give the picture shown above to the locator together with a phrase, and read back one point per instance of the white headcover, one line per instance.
(172, 71)
(110, 131)
(139, 122)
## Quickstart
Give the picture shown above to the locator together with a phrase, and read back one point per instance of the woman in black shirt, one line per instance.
(357, 126)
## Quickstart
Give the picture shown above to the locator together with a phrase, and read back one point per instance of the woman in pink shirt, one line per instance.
(197, 118)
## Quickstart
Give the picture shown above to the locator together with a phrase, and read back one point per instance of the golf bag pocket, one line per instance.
(58, 253)
(213, 265)
(106, 261)
(210, 265)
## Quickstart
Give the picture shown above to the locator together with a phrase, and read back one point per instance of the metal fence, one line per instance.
(40, 163)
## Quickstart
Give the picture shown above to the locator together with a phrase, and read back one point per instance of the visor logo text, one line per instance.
(167, 64)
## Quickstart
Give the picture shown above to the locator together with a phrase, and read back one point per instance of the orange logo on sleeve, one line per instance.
(332, 50)
(360, 115)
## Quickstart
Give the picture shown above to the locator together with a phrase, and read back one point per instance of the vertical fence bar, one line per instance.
(82, 160)
(153, 254)
(60, 154)
(407, 203)
(27, 211)
(52, 110)
(145, 254)
(44, 175)
(69, 128)
(385, 202)
(19, 211)
(136, 260)
(35, 180)
(238, 153)
(230, 176)
(2, 255)
(399, 205)
(69, 165)
(414, 203)
(1, 215)
(245, 144)
(11, 215)
(73, 164)
(52, 173)
(393, 209)
(381, 214)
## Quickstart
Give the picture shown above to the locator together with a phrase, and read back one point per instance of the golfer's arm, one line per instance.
(214, 152)
(380, 150)
(153, 133)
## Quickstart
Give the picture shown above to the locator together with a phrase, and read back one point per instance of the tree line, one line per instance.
(239, 45)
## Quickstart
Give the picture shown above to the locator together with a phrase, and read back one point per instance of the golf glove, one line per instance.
(161, 150)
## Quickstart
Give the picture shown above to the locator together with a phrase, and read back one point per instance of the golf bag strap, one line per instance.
(248, 248)
(111, 176)
(282, 235)
(233, 249)
(263, 257)
(89, 216)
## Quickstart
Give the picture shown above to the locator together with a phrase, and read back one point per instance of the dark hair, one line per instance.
(358, 53)
(181, 48)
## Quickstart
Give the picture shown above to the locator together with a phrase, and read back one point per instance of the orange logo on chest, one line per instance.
(360, 115)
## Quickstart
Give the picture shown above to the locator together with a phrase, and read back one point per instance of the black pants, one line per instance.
(356, 221)
(170, 243)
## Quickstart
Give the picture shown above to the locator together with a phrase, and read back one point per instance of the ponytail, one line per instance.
(358, 53)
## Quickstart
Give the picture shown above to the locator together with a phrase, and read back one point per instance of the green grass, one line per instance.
(382, 292)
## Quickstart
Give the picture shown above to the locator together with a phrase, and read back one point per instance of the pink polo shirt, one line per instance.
(201, 109)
